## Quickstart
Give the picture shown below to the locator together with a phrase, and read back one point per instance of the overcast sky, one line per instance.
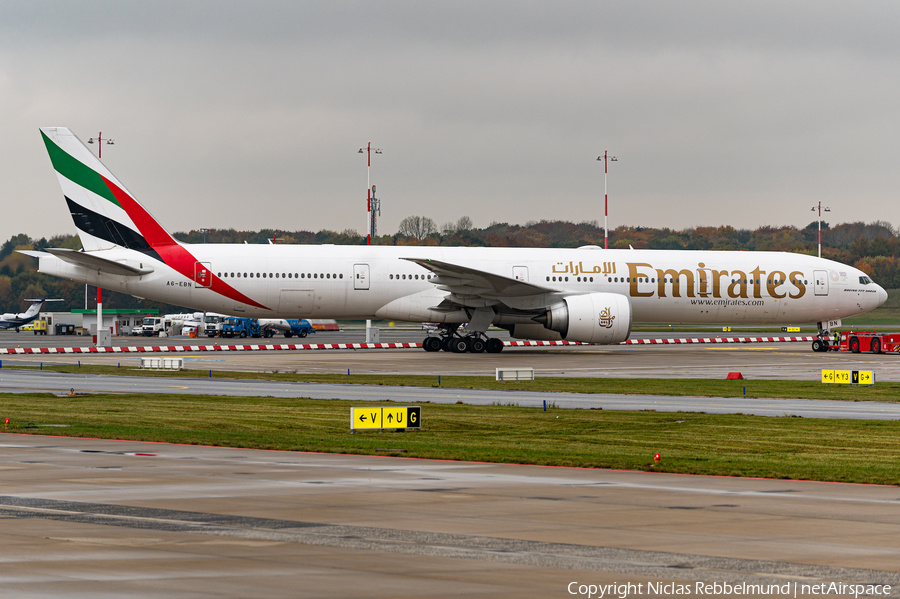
(250, 115)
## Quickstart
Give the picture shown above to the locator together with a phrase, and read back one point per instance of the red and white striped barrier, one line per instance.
(717, 340)
(321, 346)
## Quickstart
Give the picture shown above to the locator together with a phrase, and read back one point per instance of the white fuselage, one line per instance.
(363, 282)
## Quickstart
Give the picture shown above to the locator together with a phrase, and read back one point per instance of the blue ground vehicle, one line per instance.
(299, 327)
(241, 327)
(289, 326)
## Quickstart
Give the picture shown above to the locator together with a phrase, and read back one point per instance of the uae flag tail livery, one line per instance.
(109, 220)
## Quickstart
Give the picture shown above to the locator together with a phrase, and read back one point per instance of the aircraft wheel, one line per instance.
(876, 346)
(817, 345)
(854, 345)
(458, 345)
(431, 344)
(303, 333)
(494, 346)
(476, 345)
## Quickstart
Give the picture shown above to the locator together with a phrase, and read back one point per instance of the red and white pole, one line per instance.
(99, 314)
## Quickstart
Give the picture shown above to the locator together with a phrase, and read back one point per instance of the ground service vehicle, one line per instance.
(299, 327)
(241, 327)
(588, 294)
(152, 326)
(289, 326)
(214, 324)
(39, 327)
(867, 341)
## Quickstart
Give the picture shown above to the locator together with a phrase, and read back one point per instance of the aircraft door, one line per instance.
(704, 282)
(821, 282)
(202, 275)
(360, 276)
(520, 273)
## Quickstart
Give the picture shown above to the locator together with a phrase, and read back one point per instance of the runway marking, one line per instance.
(652, 564)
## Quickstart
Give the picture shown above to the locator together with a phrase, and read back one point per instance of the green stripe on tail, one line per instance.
(77, 172)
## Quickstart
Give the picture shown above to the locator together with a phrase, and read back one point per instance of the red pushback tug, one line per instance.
(867, 341)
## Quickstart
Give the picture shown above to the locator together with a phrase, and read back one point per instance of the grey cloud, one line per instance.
(720, 114)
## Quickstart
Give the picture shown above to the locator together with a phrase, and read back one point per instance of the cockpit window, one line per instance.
(864, 280)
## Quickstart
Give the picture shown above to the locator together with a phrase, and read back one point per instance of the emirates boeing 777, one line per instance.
(587, 294)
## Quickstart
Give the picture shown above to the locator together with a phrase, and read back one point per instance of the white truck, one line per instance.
(152, 326)
(214, 324)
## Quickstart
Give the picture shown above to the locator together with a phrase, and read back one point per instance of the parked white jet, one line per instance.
(586, 294)
(11, 320)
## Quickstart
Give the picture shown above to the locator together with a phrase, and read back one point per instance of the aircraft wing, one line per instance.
(91, 261)
(470, 281)
(474, 288)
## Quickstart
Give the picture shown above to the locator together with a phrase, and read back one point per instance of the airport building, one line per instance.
(119, 321)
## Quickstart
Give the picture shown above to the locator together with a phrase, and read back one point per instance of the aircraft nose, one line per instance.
(882, 295)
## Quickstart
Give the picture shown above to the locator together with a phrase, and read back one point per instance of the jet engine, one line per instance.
(591, 318)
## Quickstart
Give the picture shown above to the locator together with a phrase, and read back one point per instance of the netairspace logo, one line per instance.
(721, 589)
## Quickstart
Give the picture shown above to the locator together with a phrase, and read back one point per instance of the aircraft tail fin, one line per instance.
(105, 213)
(37, 305)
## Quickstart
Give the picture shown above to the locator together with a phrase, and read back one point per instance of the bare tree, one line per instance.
(419, 227)
(464, 224)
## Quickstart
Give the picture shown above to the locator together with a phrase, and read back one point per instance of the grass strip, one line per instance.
(691, 443)
(887, 392)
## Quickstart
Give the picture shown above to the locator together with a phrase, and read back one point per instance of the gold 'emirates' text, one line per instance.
(708, 282)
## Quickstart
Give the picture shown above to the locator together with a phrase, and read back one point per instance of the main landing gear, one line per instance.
(820, 343)
(451, 341)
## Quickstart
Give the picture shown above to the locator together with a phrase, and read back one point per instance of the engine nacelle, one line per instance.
(534, 332)
(590, 318)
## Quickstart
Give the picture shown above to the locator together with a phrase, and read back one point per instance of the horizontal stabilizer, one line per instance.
(92, 261)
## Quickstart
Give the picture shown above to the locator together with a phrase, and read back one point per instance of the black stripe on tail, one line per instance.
(109, 230)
